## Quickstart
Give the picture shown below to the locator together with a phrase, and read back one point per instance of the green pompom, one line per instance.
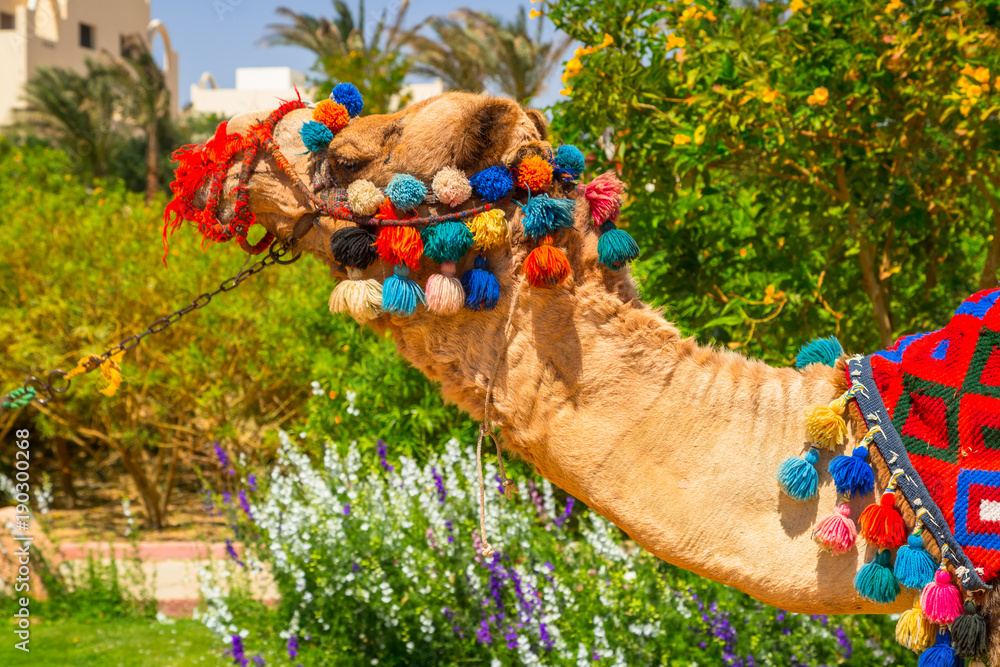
(615, 248)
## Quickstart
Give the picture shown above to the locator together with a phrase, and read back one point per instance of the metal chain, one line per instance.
(57, 383)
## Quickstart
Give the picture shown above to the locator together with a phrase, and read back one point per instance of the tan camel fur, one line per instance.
(676, 443)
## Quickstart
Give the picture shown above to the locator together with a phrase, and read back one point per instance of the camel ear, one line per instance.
(487, 134)
(538, 120)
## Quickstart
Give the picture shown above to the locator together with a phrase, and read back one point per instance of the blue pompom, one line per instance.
(852, 475)
(876, 582)
(482, 290)
(615, 248)
(446, 241)
(316, 136)
(405, 192)
(941, 654)
(915, 567)
(570, 158)
(544, 215)
(348, 95)
(798, 478)
(824, 351)
(492, 183)
(400, 295)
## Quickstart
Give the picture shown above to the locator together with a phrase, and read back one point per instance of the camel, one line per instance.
(674, 442)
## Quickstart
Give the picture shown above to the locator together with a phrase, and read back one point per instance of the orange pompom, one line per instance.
(546, 265)
(534, 173)
(332, 114)
(881, 523)
(400, 245)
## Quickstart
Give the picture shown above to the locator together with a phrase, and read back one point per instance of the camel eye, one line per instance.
(349, 165)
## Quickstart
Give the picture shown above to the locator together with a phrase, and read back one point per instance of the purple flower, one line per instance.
(500, 488)
(511, 637)
(561, 519)
(441, 493)
(245, 504)
(537, 500)
(451, 538)
(252, 482)
(258, 660)
(844, 642)
(347, 509)
(238, 652)
(293, 646)
(547, 641)
(382, 449)
(483, 633)
(224, 459)
(231, 552)
(227, 498)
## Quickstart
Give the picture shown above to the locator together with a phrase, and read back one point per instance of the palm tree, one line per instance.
(350, 49)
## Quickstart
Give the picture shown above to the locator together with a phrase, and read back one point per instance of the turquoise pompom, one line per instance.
(316, 136)
(876, 582)
(941, 654)
(570, 158)
(492, 183)
(446, 241)
(348, 95)
(400, 295)
(482, 290)
(798, 477)
(824, 351)
(405, 192)
(914, 567)
(615, 248)
(853, 475)
(544, 215)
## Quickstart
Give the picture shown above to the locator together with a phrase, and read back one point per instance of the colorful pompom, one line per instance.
(451, 186)
(534, 173)
(940, 599)
(798, 478)
(570, 158)
(914, 566)
(492, 183)
(825, 426)
(941, 654)
(360, 298)
(348, 95)
(913, 631)
(876, 582)
(546, 265)
(446, 241)
(364, 198)
(836, 531)
(615, 248)
(331, 114)
(400, 295)
(316, 136)
(544, 216)
(489, 229)
(353, 247)
(405, 191)
(445, 295)
(397, 244)
(970, 632)
(853, 475)
(604, 196)
(824, 351)
(881, 523)
(482, 290)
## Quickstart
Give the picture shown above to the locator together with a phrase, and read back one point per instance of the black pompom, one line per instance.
(970, 632)
(353, 246)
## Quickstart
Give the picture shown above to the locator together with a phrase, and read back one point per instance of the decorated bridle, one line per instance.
(387, 225)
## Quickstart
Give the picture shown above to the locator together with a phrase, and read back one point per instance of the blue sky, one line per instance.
(218, 36)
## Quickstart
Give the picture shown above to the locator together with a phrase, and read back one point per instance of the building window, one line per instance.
(6, 21)
(87, 36)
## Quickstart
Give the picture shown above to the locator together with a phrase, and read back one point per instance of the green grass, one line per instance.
(114, 643)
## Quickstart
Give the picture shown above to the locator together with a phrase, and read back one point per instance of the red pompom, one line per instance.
(882, 525)
(400, 245)
(546, 265)
(604, 195)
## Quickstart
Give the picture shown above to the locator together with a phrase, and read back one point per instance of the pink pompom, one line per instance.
(836, 531)
(445, 295)
(604, 195)
(940, 599)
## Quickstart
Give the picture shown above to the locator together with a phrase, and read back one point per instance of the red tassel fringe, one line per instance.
(400, 245)
(546, 265)
(882, 525)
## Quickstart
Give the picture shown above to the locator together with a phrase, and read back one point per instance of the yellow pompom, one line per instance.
(364, 198)
(825, 426)
(489, 229)
(913, 630)
(362, 299)
(451, 186)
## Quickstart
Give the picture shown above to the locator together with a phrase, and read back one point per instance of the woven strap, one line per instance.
(19, 398)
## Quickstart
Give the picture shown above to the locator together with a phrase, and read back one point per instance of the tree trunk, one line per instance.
(875, 289)
(66, 472)
(988, 278)
(152, 164)
(147, 491)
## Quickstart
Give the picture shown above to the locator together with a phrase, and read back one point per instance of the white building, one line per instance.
(64, 33)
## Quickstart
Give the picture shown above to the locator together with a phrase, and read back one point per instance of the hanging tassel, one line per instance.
(446, 241)
(397, 244)
(881, 523)
(445, 295)
(940, 599)
(798, 478)
(361, 299)
(913, 631)
(824, 351)
(875, 581)
(546, 265)
(825, 423)
(489, 229)
(482, 290)
(353, 246)
(615, 248)
(914, 566)
(836, 531)
(604, 196)
(941, 654)
(852, 475)
(544, 216)
(970, 632)
(400, 295)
